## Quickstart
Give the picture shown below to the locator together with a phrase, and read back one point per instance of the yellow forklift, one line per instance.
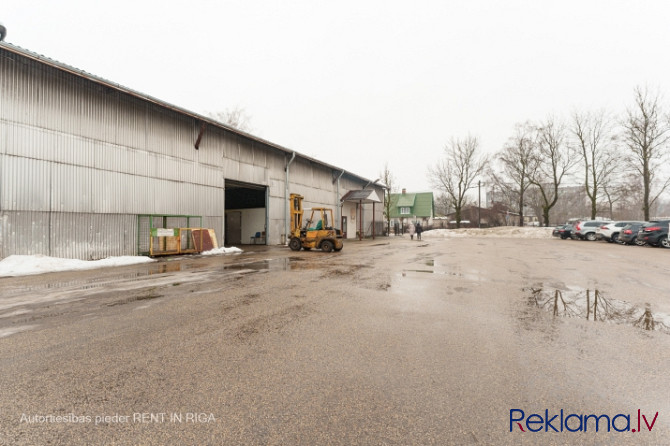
(317, 232)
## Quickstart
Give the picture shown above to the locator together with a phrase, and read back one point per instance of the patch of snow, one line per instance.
(222, 250)
(500, 231)
(19, 265)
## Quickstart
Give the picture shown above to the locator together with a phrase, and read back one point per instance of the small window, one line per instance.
(404, 211)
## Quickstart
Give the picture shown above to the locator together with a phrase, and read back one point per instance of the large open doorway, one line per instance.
(246, 213)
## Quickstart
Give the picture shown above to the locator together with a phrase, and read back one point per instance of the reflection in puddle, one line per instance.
(281, 264)
(471, 275)
(593, 305)
(166, 268)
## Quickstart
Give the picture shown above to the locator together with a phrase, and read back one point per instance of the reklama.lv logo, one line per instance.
(573, 422)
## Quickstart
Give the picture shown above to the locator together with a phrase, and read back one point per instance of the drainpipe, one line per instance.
(285, 235)
(338, 203)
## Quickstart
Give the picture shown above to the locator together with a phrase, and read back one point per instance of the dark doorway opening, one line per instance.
(246, 213)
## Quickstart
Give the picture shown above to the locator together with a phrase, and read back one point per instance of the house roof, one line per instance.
(203, 119)
(406, 200)
(420, 204)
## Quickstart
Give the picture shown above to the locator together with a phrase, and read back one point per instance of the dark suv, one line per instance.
(655, 233)
(628, 234)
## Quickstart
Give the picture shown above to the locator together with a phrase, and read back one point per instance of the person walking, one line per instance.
(411, 229)
(419, 230)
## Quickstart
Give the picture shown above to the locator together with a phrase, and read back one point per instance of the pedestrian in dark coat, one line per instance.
(419, 230)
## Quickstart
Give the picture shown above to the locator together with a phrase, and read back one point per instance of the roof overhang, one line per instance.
(361, 196)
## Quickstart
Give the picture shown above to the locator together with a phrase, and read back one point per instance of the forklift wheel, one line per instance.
(327, 246)
(295, 244)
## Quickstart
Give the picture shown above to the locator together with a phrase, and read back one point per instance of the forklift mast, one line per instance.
(296, 213)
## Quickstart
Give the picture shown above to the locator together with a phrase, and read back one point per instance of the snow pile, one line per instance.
(500, 232)
(222, 250)
(18, 265)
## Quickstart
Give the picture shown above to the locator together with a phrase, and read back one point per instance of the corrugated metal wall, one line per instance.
(69, 235)
(79, 161)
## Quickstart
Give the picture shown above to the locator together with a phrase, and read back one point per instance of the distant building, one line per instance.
(412, 207)
(496, 215)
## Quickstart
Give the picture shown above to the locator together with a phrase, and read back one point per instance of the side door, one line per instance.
(233, 228)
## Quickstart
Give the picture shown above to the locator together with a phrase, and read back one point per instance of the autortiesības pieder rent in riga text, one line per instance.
(105, 419)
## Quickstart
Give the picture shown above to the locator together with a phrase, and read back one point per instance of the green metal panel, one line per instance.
(148, 224)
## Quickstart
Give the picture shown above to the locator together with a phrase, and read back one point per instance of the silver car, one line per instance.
(586, 230)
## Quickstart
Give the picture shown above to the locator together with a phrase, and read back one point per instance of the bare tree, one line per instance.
(442, 205)
(553, 161)
(534, 200)
(388, 179)
(518, 164)
(624, 196)
(646, 134)
(595, 139)
(236, 117)
(456, 173)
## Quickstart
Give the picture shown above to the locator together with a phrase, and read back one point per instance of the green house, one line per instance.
(406, 207)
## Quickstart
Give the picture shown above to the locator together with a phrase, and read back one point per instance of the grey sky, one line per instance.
(361, 83)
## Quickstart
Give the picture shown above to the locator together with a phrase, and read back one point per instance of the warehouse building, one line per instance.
(89, 167)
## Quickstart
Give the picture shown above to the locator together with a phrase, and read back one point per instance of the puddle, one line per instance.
(593, 305)
(428, 265)
(262, 265)
(4, 332)
(471, 275)
(174, 274)
(97, 282)
(134, 299)
(170, 267)
(297, 264)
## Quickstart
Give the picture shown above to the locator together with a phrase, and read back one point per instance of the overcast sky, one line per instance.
(362, 83)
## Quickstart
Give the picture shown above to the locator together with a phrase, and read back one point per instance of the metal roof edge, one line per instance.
(99, 80)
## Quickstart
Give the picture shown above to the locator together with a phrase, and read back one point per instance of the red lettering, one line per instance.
(652, 423)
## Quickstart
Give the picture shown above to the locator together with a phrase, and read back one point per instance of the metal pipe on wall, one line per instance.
(285, 236)
(338, 202)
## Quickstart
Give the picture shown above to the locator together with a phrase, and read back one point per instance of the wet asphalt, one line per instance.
(390, 341)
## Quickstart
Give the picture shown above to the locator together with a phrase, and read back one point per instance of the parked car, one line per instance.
(586, 230)
(562, 231)
(628, 234)
(655, 233)
(610, 231)
(573, 229)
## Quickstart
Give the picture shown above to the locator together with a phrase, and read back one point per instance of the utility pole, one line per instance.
(479, 208)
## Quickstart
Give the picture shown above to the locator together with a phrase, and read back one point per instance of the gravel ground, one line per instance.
(390, 341)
